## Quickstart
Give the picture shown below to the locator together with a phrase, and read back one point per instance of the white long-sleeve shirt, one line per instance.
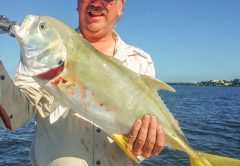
(62, 136)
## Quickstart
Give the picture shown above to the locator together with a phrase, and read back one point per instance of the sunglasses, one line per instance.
(105, 1)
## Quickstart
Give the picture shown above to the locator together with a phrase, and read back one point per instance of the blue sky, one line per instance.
(189, 40)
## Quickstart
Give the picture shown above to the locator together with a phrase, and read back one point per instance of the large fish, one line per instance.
(97, 86)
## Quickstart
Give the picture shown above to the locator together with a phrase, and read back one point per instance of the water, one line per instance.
(209, 117)
(15, 146)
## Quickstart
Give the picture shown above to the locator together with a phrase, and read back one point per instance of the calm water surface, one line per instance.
(209, 117)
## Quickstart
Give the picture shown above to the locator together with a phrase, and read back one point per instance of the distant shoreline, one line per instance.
(221, 83)
(193, 84)
(196, 84)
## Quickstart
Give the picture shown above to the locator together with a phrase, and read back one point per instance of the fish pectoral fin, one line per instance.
(122, 142)
(205, 159)
(156, 84)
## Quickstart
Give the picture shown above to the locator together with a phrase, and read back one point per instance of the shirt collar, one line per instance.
(119, 48)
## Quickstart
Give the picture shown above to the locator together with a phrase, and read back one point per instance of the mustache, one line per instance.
(94, 8)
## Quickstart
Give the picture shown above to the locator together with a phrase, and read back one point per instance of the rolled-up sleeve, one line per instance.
(18, 99)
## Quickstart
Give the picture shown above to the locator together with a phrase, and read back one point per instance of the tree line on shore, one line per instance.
(234, 82)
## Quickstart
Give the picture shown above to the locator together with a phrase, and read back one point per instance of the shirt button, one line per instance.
(2, 77)
(98, 130)
(98, 162)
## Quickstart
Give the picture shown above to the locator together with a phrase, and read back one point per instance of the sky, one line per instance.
(188, 40)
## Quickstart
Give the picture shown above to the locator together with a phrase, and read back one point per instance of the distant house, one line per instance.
(214, 81)
(227, 83)
(217, 81)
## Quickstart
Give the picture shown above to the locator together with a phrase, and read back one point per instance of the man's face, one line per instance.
(96, 16)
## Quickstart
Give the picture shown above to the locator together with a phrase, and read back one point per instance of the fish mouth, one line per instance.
(23, 31)
(52, 73)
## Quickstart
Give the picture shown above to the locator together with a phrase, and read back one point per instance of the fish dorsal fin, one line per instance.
(155, 84)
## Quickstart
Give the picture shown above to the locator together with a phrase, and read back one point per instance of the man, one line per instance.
(62, 136)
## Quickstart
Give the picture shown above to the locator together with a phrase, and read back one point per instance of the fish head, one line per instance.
(41, 43)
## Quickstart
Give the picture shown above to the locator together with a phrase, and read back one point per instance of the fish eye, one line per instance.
(42, 26)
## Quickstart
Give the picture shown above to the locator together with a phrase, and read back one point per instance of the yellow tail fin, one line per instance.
(200, 159)
(204, 159)
(122, 141)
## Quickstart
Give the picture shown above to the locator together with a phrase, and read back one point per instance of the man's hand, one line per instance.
(146, 137)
